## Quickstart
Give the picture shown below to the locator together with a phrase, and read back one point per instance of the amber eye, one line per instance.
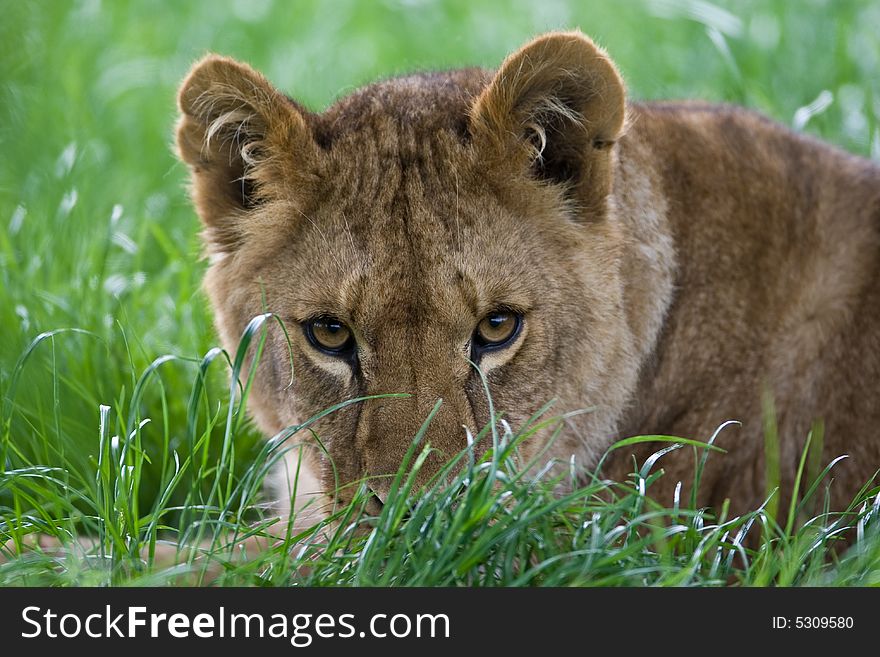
(329, 335)
(497, 329)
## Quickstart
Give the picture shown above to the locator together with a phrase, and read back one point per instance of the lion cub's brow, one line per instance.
(404, 239)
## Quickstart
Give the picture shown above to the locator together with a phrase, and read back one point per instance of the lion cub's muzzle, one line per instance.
(388, 429)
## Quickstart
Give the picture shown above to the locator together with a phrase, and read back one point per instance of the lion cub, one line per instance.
(667, 265)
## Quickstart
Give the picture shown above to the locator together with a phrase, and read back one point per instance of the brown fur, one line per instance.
(671, 262)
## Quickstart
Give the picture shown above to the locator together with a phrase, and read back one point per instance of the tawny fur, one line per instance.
(674, 263)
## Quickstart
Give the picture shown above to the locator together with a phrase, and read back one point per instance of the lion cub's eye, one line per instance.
(329, 335)
(497, 329)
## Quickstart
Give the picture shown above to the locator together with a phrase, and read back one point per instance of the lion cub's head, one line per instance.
(420, 228)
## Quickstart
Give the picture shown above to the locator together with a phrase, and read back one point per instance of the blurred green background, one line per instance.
(96, 231)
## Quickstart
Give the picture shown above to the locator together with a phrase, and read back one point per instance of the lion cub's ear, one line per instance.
(554, 110)
(245, 142)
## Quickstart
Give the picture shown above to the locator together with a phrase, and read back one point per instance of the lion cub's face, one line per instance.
(419, 230)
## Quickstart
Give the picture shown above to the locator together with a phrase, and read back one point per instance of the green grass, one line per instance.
(118, 420)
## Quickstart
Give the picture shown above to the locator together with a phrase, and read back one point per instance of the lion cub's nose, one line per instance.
(379, 495)
(379, 490)
(376, 502)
